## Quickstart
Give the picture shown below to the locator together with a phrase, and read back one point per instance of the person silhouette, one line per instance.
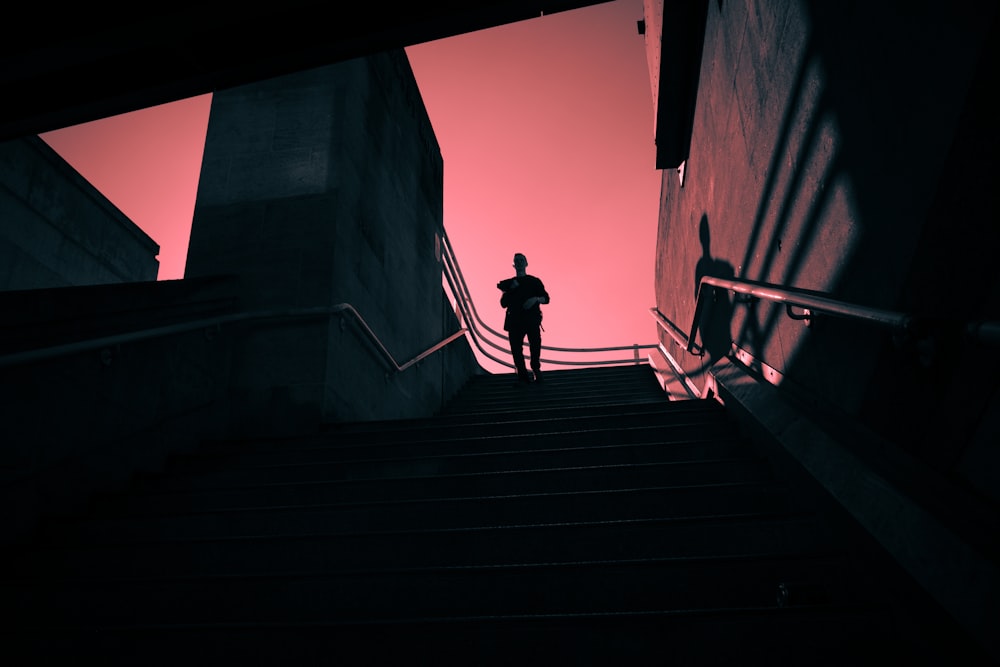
(522, 296)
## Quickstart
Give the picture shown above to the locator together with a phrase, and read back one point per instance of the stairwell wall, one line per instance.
(845, 149)
(57, 230)
(321, 188)
(85, 403)
(841, 150)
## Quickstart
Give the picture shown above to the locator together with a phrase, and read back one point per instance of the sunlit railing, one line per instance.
(802, 305)
(811, 304)
(481, 334)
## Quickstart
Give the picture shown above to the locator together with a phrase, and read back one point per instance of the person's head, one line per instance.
(520, 262)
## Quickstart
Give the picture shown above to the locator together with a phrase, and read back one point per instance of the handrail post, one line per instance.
(698, 307)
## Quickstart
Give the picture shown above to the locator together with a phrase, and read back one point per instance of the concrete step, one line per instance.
(480, 452)
(277, 467)
(569, 411)
(590, 386)
(375, 594)
(425, 480)
(560, 436)
(189, 549)
(766, 635)
(282, 504)
(575, 417)
(545, 397)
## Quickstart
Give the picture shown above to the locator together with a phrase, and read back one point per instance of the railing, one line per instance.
(212, 323)
(813, 303)
(674, 331)
(478, 329)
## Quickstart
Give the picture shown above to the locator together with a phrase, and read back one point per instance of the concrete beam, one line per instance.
(81, 63)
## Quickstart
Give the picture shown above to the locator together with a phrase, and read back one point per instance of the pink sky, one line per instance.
(546, 131)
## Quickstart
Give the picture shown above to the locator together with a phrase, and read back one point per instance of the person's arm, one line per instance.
(543, 296)
(531, 301)
(507, 287)
(540, 297)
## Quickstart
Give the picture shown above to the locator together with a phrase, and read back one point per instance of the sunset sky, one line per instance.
(546, 131)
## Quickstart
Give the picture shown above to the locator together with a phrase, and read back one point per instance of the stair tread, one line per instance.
(291, 550)
(637, 584)
(753, 635)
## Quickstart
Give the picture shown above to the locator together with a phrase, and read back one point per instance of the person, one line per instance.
(522, 296)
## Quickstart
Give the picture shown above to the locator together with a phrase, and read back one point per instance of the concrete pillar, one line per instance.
(320, 188)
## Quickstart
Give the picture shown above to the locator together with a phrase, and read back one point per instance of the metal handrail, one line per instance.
(673, 330)
(456, 282)
(467, 307)
(210, 322)
(813, 302)
(346, 307)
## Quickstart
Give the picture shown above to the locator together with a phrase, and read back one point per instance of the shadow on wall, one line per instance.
(876, 154)
(919, 150)
(714, 325)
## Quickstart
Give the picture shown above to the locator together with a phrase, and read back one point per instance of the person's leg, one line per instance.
(516, 339)
(535, 350)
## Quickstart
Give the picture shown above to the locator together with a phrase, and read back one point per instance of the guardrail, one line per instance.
(211, 323)
(482, 334)
(813, 303)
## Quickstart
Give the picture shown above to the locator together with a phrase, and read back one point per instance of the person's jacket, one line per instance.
(516, 291)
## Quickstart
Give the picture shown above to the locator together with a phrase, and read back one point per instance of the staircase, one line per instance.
(585, 520)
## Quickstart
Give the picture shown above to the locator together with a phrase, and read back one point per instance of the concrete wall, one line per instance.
(87, 418)
(56, 229)
(317, 189)
(849, 148)
(829, 149)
